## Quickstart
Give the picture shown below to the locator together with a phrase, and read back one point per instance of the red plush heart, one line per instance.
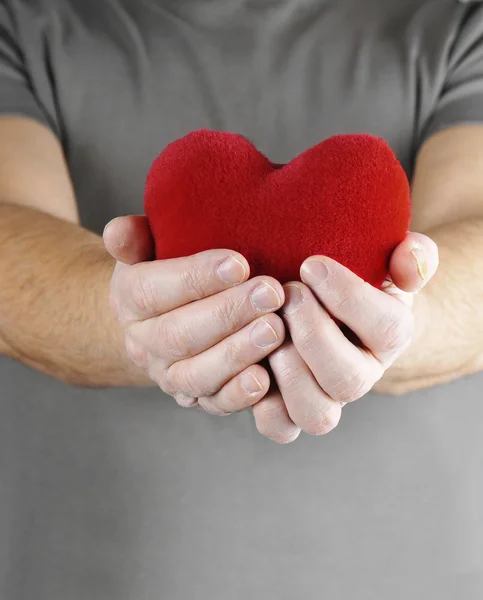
(347, 198)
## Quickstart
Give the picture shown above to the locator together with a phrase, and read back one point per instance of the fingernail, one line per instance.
(265, 297)
(314, 271)
(421, 262)
(263, 334)
(231, 270)
(293, 299)
(250, 383)
(109, 224)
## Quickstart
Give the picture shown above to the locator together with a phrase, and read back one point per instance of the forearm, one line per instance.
(448, 340)
(54, 301)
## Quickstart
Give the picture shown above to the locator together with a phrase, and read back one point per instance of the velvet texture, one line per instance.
(347, 198)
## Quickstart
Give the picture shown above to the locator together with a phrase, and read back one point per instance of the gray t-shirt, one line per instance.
(122, 495)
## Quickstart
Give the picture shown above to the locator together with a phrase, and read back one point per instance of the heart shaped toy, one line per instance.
(347, 198)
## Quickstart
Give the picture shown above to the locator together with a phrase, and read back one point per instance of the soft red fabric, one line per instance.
(347, 198)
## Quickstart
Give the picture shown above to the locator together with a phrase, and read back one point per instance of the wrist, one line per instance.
(103, 342)
(133, 376)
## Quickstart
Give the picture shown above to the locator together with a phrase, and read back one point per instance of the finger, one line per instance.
(196, 327)
(145, 360)
(389, 288)
(344, 371)
(186, 401)
(241, 392)
(381, 322)
(153, 288)
(205, 374)
(414, 262)
(129, 240)
(309, 407)
(272, 419)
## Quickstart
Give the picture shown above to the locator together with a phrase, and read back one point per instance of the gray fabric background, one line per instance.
(120, 494)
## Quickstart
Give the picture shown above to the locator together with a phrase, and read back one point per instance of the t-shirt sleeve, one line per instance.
(17, 96)
(460, 100)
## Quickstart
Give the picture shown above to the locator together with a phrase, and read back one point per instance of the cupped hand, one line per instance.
(196, 325)
(322, 365)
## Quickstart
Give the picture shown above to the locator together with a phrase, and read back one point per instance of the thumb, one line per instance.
(414, 262)
(129, 240)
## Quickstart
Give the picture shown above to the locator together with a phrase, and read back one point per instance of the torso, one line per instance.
(122, 494)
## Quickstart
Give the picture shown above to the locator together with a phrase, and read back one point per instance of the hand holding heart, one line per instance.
(318, 369)
(200, 327)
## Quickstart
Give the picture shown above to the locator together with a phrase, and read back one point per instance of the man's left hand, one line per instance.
(320, 368)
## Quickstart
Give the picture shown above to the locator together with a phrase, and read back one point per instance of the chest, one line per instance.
(131, 77)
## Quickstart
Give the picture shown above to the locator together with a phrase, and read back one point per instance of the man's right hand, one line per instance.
(195, 325)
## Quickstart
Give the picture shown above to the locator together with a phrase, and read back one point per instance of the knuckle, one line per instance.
(175, 341)
(309, 339)
(234, 355)
(137, 353)
(340, 301)
(270, 423)
(397, 330)
(120, 312)
(234, 397)
(169, 381)
(193, 281)
(228, 313)
(349, 389)
(233, 402)
(323, 425)
(267, 418)
(180, 379)
(156, 372)
(185, 401)
(355, 294)
(289, 376)
(143, 292)
(212, 408)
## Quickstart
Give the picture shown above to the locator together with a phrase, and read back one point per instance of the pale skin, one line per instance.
(177, 337)
(61, 286)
